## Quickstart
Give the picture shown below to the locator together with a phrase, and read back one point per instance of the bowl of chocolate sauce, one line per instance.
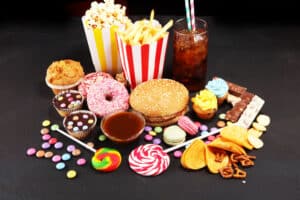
(123, 126)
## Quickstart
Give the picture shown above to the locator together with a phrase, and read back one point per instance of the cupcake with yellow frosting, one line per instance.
(205, 104)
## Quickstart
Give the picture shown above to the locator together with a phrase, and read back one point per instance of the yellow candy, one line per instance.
(71, 174)
(46, 123)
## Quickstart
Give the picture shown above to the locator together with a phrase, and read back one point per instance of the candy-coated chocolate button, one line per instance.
(81, 161)
(221, 124)
(46, 123)
(40, 153)
(44, 131)
(60, 166)
(177, 154)
(90, 144)
(66, 156)
(54, 127)
(102, 138)
(153, 133)
(148, 137)
(158, 129)
(203, 127)
(56, 158)
(46, 137)
(207, 142)
(90, 121)
(148, 128)
(211, 137)
(71, 174)
(45, 145)
(156, 141)
(30, 151)
(76, 152)
(58, 145)
(75, 118)
(71, 148)
(52, 141)
(222, 116)
(204, 133)
(213, 129)
(48, 154)
(198, 124)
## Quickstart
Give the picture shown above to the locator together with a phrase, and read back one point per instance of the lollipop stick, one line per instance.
(76, 140)
(191, 140)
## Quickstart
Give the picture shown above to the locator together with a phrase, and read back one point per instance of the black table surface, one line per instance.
(264, 57)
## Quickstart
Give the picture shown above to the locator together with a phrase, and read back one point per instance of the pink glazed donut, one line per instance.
(107, 96)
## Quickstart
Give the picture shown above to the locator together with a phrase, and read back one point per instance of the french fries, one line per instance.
(144, 31)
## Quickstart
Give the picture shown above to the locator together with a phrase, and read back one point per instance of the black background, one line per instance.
(262, 54)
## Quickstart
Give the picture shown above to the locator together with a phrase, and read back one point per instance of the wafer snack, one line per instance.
(142, 48)
(100, 23)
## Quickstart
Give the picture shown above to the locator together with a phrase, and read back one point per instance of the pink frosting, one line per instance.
(107, 96)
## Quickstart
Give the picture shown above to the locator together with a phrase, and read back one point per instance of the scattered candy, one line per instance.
(66, 156)
(60, 166)
(203, 127)
(46, 137)
(45, 145)
(58, 145)
(90, 144)
(177, 154)
(158, 129)
(102, 138)
(46, 123)
(222, 116)
(198, 124)
(48, 154)
(207, 142)
(229, 123)
(71, 174)
(221, 124)
(152, 133)
(44, 131)
(71, 148)
(213, 129)
(211, 137)
(76, 152)
(204, 133)
(40, 153)
(156, 141)
(81, 161)
(148, 137)
(56, 158)
(30, 151)
(263, 120)
(52, 141)
(148, 128)
(54, 127)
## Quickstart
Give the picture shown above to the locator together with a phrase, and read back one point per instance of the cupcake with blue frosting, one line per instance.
(219, 87)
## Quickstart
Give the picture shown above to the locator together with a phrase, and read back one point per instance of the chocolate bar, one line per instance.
(235, 89)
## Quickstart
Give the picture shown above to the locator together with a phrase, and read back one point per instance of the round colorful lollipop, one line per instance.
(104, 159)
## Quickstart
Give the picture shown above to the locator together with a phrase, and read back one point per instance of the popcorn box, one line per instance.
(103, 48)
(141, 63)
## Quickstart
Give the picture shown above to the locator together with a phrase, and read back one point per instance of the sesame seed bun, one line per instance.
(161, 101)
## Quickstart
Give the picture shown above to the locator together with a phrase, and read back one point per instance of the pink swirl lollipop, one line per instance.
(149, 160)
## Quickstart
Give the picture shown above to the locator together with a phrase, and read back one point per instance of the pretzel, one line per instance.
(219, 156)
(226, 172)
(239, 173)
(247, 163)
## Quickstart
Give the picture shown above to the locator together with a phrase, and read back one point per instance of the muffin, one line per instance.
(219, 87)
(205, 104)
(67, 101)
(80, 123)
(64, 75)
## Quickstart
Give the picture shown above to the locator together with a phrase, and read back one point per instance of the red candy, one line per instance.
(52, 141)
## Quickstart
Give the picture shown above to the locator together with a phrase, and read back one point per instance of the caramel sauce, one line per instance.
(123, 125)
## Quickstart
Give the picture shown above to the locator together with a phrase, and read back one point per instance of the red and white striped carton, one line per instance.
(141, 63)
(103, 48)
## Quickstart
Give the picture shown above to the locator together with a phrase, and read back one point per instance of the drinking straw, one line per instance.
(193, 14)
(187, 11)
